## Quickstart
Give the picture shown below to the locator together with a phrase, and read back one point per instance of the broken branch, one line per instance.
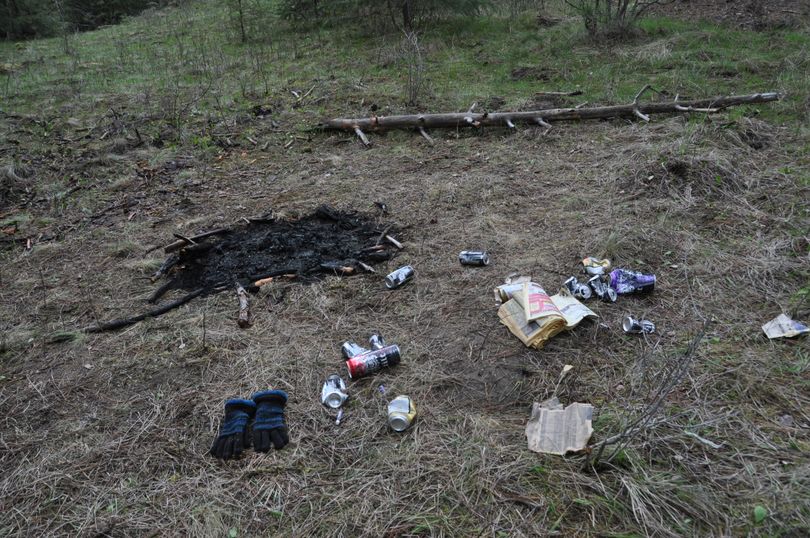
(125, 322)
(180, 243)
(244, 307)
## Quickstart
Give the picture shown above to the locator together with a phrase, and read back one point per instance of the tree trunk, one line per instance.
(407, 15)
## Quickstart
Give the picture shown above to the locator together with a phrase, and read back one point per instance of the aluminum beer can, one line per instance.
(333, 393)
(376, 341)
(372, 361)
(401, 413)
(632, 325)
(351, 349)
(399, 277)
(473, 257)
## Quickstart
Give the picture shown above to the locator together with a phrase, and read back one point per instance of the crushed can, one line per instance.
(333, 393)
(602, 290)
(351, 349)
(401, 413)
(399, 277)
(376, 341)
(624, 282)
(473, 257)
(632, 325)
(373, 361)
(595, 266)
(577, 289)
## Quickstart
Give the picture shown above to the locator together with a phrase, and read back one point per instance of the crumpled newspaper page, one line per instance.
(783, 327)
(532, 333)
(554, 430)
(571, 309)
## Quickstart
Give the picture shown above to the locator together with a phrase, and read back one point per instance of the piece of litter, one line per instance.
(88, 366)
(783, 327)
(553, 314)
(558, 431)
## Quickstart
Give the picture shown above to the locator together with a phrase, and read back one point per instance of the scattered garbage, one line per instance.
(511, 285)
(351, 349)
(783, 327)
(400, 277)
(401, 413)
(339, 417)
(602, 290)
(376, 341)
(595, 266)
(534, 317)
(577, 289)
(372, 361)
(624, 282)
(632, 325)
(554, 430)
(473, 257)
(333, 393)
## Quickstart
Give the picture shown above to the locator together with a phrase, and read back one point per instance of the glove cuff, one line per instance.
(271, 396)
(240, 404)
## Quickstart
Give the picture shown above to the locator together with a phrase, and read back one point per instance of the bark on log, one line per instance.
(463, 119)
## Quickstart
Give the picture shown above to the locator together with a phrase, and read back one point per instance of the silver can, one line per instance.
(632, 325)
(602, 290)
(351, 349)
(473, 257)
(577, 289)
(376, 341)
(399, 277)
(333, 393)
(401, 413)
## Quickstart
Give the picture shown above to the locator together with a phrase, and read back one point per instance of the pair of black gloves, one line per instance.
(266, 410)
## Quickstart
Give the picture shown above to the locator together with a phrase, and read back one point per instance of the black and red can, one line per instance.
(373, 361)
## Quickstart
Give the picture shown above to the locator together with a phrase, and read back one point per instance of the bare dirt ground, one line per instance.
(752, 14)
(108, 434)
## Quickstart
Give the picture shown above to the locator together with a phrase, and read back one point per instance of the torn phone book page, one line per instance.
(783, 327)
(553, 430)
(571, 309)
(532, 333)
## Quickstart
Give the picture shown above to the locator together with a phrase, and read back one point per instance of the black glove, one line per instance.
(269, 426)
(234, 436)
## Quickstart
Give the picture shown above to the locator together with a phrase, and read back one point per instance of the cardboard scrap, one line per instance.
(554, 430)
(783, 327)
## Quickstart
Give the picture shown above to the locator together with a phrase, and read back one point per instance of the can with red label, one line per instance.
(373, 361)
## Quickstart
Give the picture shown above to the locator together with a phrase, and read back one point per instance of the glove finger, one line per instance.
(227, 452)
(261, 441)
(237, 446)
(246, 439)
(277, 439)
(220, 447)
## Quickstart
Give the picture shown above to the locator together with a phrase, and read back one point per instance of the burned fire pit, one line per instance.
(245, 257)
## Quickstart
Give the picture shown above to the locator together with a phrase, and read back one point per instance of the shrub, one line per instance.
(611, 18)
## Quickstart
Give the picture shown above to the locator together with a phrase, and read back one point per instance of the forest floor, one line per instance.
(114, 140)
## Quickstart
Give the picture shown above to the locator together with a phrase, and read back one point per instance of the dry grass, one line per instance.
(107, 435)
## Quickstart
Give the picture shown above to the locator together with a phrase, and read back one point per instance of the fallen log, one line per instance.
(454, 120)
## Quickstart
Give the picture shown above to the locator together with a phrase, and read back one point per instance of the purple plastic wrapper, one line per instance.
(624, 282)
